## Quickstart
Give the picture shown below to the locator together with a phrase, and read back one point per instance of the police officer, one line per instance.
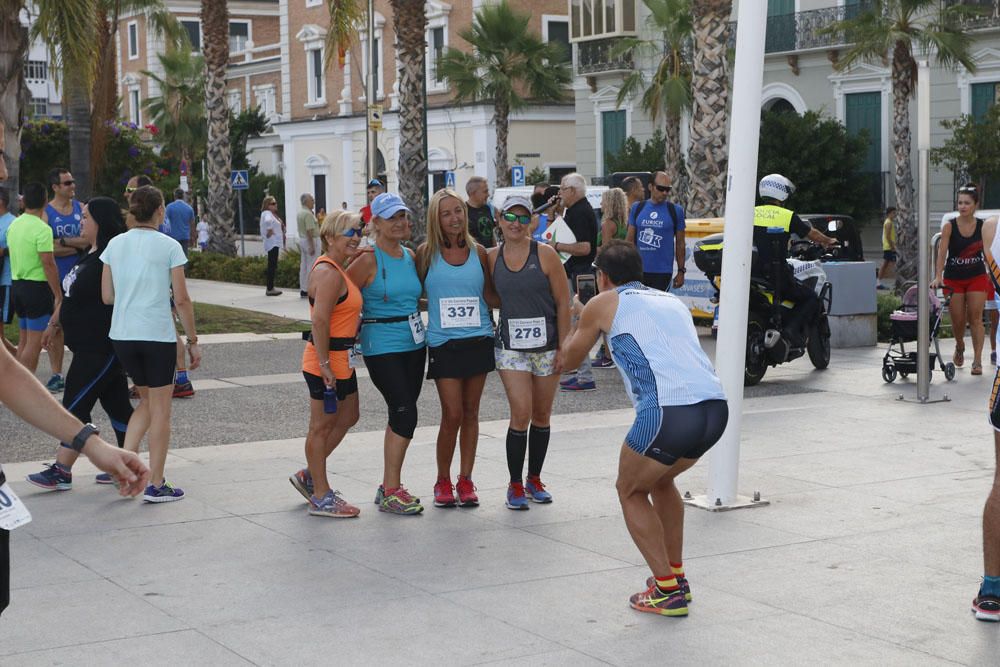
(772, 228)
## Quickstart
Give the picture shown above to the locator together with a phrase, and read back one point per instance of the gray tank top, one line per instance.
(527, 309)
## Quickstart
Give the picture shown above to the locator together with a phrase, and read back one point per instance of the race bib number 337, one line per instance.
(459, 312)
(527, 333)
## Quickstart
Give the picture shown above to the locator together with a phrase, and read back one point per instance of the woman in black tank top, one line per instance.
(534, 320)
(960, 267)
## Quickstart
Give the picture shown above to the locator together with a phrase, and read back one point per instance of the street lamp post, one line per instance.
(370, 92)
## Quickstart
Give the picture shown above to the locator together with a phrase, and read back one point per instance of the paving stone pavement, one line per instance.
(868, 554)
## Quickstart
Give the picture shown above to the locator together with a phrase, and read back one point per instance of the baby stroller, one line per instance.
(897, 361)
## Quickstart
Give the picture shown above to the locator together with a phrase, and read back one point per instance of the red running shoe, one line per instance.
(466, 492)
(444, 495)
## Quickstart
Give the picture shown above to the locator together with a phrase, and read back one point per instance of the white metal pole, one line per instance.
(372, 140)
(923, 196)
(730, 353)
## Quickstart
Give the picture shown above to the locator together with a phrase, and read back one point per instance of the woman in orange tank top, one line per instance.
(335, 310)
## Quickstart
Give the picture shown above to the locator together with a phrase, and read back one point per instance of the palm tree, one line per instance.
(708, 156)
(506, 61)
(667, 92)
(409, 20)
(60, 24)
(13, 53)
(104, 98)
(889, 30)
(179, 111)
(219, 203)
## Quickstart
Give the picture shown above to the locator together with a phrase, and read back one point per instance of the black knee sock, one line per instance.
(120, 437)
(538, 447)
(517, 443)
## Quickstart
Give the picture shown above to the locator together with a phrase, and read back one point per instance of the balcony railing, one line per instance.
(597, 56)
(988, 18)
(805, 30)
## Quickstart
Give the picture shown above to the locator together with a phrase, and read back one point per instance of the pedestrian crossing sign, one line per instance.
(449, 180)
(240, 179)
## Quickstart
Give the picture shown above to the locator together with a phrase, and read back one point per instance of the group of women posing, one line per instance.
(379, 288)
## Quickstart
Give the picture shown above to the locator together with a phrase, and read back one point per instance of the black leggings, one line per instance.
(272, 266)
(399, 377)
(98, 376)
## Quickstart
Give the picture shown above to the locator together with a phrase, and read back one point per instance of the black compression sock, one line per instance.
(538, 447)
(517, 443)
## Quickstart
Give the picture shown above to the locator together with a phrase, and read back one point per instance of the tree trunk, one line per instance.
(13, 92)
(104, 96)
(708, 154)
(674, 166)
(501, 121)
(903, 72)
(219, 205)
(77, 97)
(410, 22)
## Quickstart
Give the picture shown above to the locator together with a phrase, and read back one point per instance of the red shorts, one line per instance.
(980, 283)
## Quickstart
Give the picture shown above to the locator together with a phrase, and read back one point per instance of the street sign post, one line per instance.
(241, 181)
(375, 117)
(517, 175)
(449, 180)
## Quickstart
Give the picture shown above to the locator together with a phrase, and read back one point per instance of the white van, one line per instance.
(594, 194)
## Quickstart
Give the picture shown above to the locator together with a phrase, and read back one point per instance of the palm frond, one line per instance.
(346, 17)
(60, 24)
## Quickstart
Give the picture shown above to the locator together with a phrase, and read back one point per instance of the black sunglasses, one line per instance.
(514, 217)
(662, 188)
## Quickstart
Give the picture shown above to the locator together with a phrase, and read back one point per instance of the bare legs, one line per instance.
(29, 346)
(459, 419)
(152, 415)
(991, 520)
(326, 431)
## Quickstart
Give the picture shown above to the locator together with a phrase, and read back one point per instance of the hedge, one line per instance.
(244, 270)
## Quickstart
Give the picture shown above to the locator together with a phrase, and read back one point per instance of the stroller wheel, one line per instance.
(949, 371)
(904, 374)
(889, 373)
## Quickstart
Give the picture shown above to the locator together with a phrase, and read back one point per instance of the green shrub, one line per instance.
(244, 270)
(886, 304)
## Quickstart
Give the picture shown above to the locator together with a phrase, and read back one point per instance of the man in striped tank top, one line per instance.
(680, 408)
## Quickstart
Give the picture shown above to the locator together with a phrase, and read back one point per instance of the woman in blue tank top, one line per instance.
(392, 340)
(459, 337)
(534, 319)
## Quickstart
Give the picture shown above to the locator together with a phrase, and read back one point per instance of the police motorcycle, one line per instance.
(768, 332)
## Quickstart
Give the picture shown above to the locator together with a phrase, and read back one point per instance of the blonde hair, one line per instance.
(613, 205)
(435, 237)
(268, 200)
(335, 224)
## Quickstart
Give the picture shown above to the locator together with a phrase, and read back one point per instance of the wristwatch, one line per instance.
(682, 270)
(81, 438)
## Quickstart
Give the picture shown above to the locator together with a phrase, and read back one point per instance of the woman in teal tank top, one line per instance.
(459, 336)
(392, 340)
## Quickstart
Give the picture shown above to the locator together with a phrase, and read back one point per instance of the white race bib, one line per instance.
(13, 513)
(527, 333)
(354, 356)
(459, 311)
(417, 328)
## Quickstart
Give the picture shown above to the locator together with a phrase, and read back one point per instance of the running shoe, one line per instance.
(303, 483)
(536, 490)
(56, 383)
(515, 497)
(444, 493)
(466, 492)
(53, 478)
(104, 478)
(568, 381)
(273, 292)
(986, 608)
(682, 582)
(165, 493)
(332, 505)
(183, 389)
(576, 385)
(654, 601)
(602, 362)
(399, 501)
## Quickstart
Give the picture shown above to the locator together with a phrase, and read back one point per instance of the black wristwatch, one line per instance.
(682, 270)
(81, 438)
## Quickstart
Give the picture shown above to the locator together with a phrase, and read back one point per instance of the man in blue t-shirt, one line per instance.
(178, 219)
(656, 227)
(64, 215)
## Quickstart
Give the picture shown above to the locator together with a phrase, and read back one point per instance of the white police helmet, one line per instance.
(776, 186)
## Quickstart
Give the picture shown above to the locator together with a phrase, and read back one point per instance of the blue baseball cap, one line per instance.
(387, 205)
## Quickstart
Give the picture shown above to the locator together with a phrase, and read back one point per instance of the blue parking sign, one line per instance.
(517, 175)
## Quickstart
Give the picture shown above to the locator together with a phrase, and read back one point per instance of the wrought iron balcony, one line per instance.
(597, 57)
(805, 30)
(989, 16)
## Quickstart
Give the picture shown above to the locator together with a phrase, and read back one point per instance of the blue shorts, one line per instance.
(673, 432)
(6, 310)
(33, 304)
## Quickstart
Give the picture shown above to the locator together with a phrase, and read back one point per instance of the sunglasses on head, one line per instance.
(662, 188)
(129, 188)
(354, 231)
(514, 217)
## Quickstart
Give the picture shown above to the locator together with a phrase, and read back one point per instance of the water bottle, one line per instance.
(543, 221)
(329, 400)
